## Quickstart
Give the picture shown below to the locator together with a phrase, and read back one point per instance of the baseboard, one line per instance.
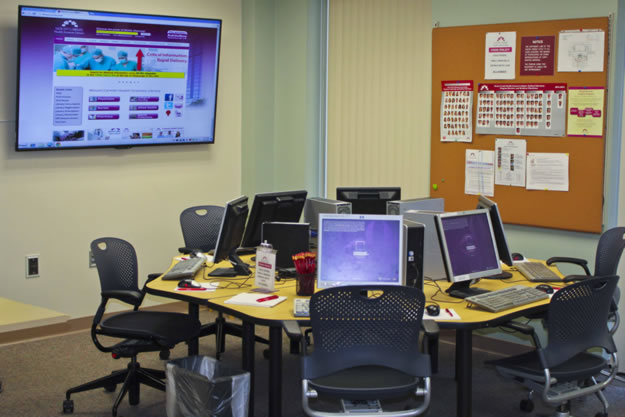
(75, 325)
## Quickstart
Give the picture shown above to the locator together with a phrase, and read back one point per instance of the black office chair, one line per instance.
(366, 348)
(200, 230)
(141, 331)
(565, 369)
(609, 252)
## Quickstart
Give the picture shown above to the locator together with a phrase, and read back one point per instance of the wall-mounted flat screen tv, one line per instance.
(89, 79)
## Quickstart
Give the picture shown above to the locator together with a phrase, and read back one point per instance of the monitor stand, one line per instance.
(503, 275)
(239, 268)
(463, 290)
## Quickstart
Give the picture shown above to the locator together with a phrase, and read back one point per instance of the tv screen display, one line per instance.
(102, 79)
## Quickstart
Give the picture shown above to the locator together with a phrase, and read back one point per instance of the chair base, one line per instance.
(131, 378)
(220, 328)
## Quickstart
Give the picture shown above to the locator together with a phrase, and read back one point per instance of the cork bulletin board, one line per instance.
(458, 53)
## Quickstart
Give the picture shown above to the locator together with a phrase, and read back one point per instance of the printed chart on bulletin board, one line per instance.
(518, 115)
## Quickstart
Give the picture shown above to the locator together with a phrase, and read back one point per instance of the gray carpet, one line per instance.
(36, 374)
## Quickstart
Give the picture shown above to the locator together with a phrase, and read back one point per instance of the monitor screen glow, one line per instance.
(360, 249)
(468, 245)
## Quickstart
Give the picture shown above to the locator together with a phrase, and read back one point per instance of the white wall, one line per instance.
(54, 203)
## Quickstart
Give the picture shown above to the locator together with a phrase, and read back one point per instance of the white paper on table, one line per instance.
(510, 165)
(500, 56)
(479, 172)
(581, 50)
(548, 171)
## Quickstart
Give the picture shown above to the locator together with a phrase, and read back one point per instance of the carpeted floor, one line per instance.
(36, 374)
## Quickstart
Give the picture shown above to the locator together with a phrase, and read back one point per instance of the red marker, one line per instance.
(449, 312)
(271, 297)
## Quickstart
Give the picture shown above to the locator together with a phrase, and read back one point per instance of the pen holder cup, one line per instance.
(305, 284)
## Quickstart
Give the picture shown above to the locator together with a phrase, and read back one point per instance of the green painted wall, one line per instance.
(281, 95)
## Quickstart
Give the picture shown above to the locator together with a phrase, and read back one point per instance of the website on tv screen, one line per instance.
(100, 79)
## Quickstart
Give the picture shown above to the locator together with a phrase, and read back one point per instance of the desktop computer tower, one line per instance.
(316, 205)
(433, 267)
(400, 206)
(413, 241)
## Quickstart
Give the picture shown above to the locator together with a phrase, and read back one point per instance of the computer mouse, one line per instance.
(517, 256)
(546, 288)
(433, 310)
(189, 283)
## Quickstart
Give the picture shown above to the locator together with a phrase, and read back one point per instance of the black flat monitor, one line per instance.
(285, 206)
(230, 235)
(468, 249)
(500, 236)
(368, 200)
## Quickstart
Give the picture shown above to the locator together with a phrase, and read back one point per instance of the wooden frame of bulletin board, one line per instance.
(458, 53)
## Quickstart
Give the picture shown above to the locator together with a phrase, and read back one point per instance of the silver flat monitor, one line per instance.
(468, 249)
(360, 249)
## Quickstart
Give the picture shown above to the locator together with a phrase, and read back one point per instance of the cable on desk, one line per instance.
(448, 299)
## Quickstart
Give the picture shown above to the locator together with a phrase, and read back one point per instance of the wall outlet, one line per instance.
(91, 259)
(32, 266)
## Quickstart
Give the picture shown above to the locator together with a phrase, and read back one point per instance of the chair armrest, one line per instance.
(525, 329)
(519, 327)
(293, 329)
(130, 297)
(153, 276)
(576, 261)
(575, 278)
(430, 328)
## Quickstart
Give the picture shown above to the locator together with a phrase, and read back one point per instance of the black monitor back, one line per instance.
(232, 226)
(288, 239)
(286, 206)
(368, 200)
(500, 235)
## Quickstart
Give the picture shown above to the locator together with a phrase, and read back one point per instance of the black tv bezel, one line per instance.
(138, 145)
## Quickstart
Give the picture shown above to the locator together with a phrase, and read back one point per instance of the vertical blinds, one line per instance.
(379, 90)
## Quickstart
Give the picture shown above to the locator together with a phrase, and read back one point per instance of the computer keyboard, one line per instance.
(184, 269)
(506, 298)
(537, 272)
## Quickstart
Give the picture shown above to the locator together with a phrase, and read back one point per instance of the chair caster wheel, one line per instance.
(526, 405)
(110, 388)
(164, 354)
(68, 406)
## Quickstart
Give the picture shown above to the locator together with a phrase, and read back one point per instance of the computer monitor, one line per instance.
(230, 234)
(285, 206)
(468, 249)
(500, 236)
(368, 200)
(359, 250)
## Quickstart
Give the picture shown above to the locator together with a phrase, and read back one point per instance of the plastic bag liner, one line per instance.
(200, 386)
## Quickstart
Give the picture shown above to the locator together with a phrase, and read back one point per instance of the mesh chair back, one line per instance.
(609, 251)
(200, 226)
(577, 319)
(116, 261)
(366, 325)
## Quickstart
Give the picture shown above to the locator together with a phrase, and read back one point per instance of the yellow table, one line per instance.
(470, 319)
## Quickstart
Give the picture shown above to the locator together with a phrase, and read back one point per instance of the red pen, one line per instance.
(271, 297)
(449, 312)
